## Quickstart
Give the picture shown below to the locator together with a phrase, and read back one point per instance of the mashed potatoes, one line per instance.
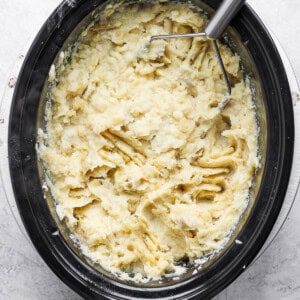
(144, 168)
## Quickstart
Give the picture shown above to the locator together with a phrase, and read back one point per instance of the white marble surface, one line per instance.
(23, 275)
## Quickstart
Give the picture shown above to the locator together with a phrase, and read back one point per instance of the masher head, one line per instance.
(216, 48)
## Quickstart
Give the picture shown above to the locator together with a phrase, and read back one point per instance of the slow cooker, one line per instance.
(272, 85)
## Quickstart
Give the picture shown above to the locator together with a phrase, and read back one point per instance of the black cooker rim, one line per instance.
(23, 168)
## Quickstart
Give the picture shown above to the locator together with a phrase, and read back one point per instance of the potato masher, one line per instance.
(214, 30)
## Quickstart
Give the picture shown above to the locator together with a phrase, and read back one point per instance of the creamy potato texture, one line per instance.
(144, 168)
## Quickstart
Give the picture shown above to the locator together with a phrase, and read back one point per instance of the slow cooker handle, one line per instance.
(222, 17)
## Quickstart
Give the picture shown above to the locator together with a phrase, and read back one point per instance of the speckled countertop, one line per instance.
(23, 274)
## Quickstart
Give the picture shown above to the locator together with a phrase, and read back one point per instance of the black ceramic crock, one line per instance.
(51, 239)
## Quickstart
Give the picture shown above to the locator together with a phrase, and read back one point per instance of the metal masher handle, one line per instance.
(225, 13)
(227, 10)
